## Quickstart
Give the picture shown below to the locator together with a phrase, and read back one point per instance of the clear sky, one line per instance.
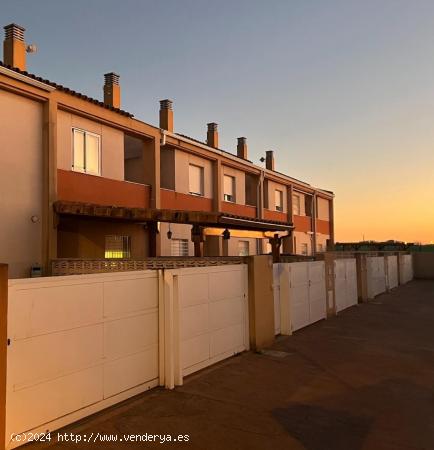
(342, 90)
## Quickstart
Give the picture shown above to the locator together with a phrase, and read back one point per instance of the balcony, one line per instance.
(302, 223)
(184, 202)
(277, 216)
(323, 226)
(238, 210)
(80, 187)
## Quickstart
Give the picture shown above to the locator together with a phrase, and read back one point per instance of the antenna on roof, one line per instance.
(31, 48)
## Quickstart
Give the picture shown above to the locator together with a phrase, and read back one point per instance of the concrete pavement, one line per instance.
(362, 380)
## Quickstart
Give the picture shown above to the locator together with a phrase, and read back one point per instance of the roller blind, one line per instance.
(195, 180)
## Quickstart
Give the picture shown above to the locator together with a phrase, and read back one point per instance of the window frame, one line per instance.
(86, 133)
(201, 181)
(277, 207)
(304, 245)
(294, 195)
(227, 197)
(126, 247)
(184, 246)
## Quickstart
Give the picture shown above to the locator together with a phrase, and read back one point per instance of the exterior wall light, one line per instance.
(226, 234)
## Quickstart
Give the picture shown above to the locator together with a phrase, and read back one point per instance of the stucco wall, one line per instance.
(322, 239)
(272, 186)
(182, 162)
(21, 180)
(112, 144)
(302, 203)
(240, 184)
(302, 238)
(323, 206)
(179, 231)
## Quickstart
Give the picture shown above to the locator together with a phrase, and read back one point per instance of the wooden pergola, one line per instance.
(203, 223)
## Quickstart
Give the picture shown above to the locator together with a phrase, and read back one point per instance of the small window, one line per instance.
(278, 199)
(179, 247)
(304, 249)
(86, 152)
(195, 180)
(117, 247)
(320, 248)
(243, 248)
(296, 210)
(229, 188)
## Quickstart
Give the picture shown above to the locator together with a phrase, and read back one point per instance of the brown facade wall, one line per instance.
(85, 238)
(323, 226)
(302, 223)
(79, 187)
(239, 210)
(177, 201)
(275, 215)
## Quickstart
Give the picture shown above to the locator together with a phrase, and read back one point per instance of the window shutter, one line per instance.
(195, 179)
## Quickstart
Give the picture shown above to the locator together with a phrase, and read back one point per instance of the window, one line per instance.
(117, 247)
(179, 247)
(228, 188)
(296, 210)
(304, 249)
(243, 248)
(278, 200)
(320, 248)
(86, 152)
(195, 180)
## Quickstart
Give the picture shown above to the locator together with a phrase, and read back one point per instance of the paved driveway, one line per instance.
(362, 380)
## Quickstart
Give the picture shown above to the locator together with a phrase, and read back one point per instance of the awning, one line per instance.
(201, 218)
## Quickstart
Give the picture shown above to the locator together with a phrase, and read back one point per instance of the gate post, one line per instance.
(261, 301)
(362, 277)
(3, 350)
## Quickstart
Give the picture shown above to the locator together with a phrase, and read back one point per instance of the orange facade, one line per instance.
(80, 187)
(239, 210)
(303, 223)
(178, 201)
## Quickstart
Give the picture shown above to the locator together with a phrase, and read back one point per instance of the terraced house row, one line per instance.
(82, 178)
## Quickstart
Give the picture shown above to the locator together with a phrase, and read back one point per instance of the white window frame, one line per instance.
(182, 245)
(295, 205)
(124, 251)
(228, 197)
(278, 207)
(202, 180)
(86, 133)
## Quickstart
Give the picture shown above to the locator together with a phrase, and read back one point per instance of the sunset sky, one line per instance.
(343, 91)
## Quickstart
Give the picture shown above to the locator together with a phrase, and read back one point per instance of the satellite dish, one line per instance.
(32, 48)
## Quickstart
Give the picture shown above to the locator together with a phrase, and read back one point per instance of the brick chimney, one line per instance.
(112, 90)
(212, 136)
(166, 115)
(14, 47)
(269, 160)
(242, 148)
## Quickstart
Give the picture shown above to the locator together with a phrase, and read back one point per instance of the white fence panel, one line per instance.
(392, 271)
(277, 268)
(213, 314)
(302, 294)
(345, 283)
(376, 276)
(77, 345)
(406, 268)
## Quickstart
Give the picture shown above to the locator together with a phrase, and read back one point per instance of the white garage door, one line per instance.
(213, 314)
(376, 276)
(392, 271)
(345, 283)
(406, 268)
(78, 342)
(302, 294)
